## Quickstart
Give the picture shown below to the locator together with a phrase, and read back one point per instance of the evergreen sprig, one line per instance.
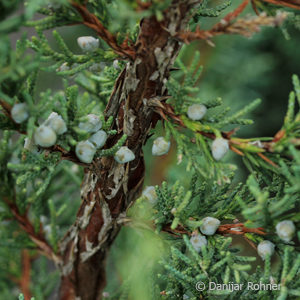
(40, 185)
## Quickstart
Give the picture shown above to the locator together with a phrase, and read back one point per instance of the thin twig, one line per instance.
(91, 21)
(231, 25)
(236, 150)
(25, 279)
(250, 243)
(269, 161)
(239, 229)
(235, 229)
(166, 110)
(6, 108)
(287, 3)
(38, 238)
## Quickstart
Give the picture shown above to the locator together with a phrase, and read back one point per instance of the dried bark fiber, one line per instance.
(110, 188)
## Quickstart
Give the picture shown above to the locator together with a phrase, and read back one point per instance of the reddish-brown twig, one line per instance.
(206, 34)
(25, 279)
(235, 229)
(233, 15)
(177, 231)
(166, 111)
(236, 150)
(295, 4)
(231, 25)
(6, 108)
(269, 161)
(279, 135)
(91, 21)
(239, 229)
(253, 4)
(250, 242)
(287, 3)
(38, 238)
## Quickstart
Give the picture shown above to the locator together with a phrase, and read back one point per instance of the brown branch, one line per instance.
(295, 4)
(230, 25)
(166, 111)
(239, 229)
(177, 231)
(279, 135)
(187, 37)
(38, 238)
(248, 26)
(267, 160)
(236, 150)
(287, 3)
(6, 108)
(233, 15)
(91, 21)
(253, 4)
(25, 279)
(250, 243)
(233, 229)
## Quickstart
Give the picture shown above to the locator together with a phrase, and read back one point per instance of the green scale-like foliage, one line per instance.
(218, 262)
(268, 197)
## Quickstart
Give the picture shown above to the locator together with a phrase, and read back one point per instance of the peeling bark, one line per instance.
(110, 188)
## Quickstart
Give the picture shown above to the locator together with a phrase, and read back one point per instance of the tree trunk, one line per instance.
(109, 188)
